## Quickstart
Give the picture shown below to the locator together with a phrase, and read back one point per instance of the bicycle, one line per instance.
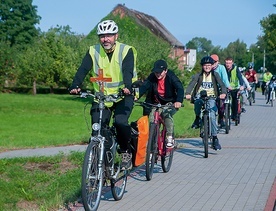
(250, 93)
(156, 146)
(272, 93)
(102, 160)
(266, 90)
(205, 123)
(238, 117)
(227, 113)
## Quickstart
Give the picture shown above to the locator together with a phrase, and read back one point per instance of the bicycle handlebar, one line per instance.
(102, 97)
(168, 105)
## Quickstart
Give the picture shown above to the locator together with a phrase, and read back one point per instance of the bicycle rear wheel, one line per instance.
(227, 118)
(92, 178)
(205, 134)
(166, 158)
(118, 184)
(151, 151)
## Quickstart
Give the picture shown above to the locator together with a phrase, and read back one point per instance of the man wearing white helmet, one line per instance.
(118, 61)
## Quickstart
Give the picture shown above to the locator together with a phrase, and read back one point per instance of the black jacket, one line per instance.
(174, 91)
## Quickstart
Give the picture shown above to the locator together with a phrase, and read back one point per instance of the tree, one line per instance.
(237, 50)
(7, 71)
(268, 40)
(202, 46)
(17, 22)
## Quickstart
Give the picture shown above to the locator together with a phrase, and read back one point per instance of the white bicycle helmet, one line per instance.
(107, 27)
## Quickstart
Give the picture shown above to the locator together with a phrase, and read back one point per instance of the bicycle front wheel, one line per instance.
(227, 118)
(118, 184)
(250, 99)
(151, 151)
(272, 97)
(92, 177)
(166, 158)
(205, 137)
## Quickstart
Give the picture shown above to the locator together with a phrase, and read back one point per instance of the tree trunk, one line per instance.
(34, 87)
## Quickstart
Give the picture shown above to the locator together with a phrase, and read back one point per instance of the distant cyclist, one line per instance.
(163, 86)
(266, 78)
(236, 83)
(252, 78)
(271, 84)
(244, 92)
(211, 82)
(220, 69)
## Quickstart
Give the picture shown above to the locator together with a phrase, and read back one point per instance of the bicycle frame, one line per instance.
(162, 134)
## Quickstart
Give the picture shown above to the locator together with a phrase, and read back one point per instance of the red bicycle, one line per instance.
(156, 146)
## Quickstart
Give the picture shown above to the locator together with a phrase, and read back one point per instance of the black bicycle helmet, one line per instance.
(207, 60)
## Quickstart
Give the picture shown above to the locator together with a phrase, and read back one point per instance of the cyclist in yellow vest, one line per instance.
(118, 61)
(266, 78)
(236, 84)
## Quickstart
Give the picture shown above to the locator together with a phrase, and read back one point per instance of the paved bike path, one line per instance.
(239, 177)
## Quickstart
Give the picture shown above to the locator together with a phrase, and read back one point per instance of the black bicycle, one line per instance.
(102, 161)
(205, 123)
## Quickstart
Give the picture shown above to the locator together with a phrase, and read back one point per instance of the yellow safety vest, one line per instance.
(111, 69)
(234, 81)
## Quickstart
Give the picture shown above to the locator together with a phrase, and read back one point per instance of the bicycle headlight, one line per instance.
(96, 126)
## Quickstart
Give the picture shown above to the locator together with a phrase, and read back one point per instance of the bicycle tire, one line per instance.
(205, 137)
(250, 97)
(92, 178)
(151, 151)
(166, 157)
(227, 117)
(272, 96)
(118, 185)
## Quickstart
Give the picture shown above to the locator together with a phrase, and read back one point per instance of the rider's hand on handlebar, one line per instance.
(177, 104)
(126, 91)
(241, 88)
(188, 97)
(75, 91)
(222, 96)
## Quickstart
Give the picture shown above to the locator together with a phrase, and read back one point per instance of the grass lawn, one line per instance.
(29, 121)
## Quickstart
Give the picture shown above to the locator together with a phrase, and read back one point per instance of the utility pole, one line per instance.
(264, 62)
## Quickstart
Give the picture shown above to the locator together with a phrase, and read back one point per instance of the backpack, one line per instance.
(139, 140)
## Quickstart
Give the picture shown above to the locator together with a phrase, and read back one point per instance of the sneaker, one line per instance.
(216, 145)
(253, 101)
(243, 110)
(126, 161)
(196, 123)
(169, 142)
